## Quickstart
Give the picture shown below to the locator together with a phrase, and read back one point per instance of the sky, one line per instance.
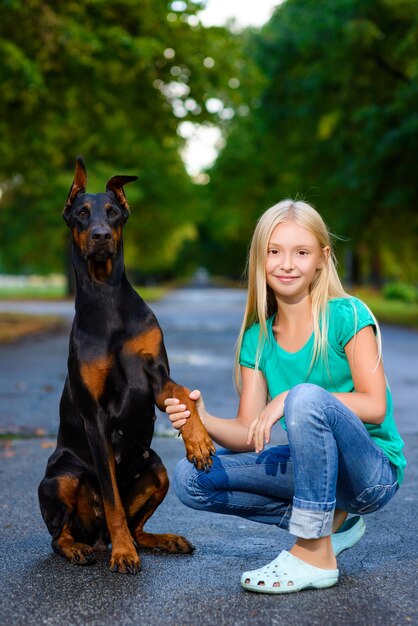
(203, 143)
(245, 12)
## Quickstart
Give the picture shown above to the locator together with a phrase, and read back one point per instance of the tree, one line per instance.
(334, 121)
(110, 80)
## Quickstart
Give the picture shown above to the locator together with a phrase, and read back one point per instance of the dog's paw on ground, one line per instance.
(125, 563)
(80, 554)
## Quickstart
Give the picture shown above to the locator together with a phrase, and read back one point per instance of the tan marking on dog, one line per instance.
(80, 239)
(124, 554)
(145, 344)
(94, 374)
(172, 390)
(197, 441)
(153, 482)
(67, 490)
(100, 270)
(65, 540)
(117, 234)
(77, 553)
(86, 508)
(149, 491)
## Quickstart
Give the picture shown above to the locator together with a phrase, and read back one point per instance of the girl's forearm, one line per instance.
(228, 433)
(365, 406)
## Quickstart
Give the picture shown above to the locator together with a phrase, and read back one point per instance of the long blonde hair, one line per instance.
(261, 302)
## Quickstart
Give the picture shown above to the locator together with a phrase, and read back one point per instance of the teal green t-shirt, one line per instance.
(283, 370)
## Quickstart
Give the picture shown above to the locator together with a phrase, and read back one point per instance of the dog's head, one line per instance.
(96, 219)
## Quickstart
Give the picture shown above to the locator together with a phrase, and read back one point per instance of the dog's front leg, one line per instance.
(124, 557)
(149, 346)
(198, 444)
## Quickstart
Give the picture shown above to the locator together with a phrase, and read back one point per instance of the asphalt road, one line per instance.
(378, 583)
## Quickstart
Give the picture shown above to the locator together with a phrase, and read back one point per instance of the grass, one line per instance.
(32, 293)
(389, 311)
(14, 326)
(17, 325)
(149, 293)
(152, 294)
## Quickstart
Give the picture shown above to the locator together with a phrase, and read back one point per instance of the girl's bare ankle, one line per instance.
(339, 518)
(317, 552)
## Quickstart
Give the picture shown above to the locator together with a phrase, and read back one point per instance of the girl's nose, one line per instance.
(287, 263)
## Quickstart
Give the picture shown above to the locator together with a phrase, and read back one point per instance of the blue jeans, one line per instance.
(331, 462)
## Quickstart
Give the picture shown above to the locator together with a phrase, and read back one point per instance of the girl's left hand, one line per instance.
(260, 429)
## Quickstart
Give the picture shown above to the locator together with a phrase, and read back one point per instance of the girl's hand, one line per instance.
(178, 413)
(260, 429)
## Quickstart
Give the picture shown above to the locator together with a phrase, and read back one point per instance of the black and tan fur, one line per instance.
(103, 481)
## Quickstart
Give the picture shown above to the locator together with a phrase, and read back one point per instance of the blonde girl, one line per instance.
(308, 355)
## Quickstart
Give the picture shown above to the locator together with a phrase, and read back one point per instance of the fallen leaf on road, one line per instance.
(48, 444)
(6, 449)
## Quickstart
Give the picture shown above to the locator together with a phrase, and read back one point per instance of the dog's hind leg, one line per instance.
(58, 500)
(147, 494)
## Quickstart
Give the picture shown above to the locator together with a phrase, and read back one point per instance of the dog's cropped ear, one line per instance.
(79, 184)
(116, 184)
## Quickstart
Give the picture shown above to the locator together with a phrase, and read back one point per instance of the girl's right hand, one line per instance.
(178, 413)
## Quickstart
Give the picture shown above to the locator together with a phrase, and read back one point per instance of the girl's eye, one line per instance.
(303, 252)
(273, 251)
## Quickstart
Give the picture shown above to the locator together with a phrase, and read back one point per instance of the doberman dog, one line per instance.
(103, 481)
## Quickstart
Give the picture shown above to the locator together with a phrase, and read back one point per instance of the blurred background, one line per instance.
(222, 108)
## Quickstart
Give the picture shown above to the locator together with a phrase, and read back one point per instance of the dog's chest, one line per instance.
(131, 451)
(114, 363)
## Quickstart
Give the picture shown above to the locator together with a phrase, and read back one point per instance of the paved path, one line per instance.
(378, 578)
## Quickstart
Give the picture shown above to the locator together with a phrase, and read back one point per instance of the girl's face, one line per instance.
(293, 258)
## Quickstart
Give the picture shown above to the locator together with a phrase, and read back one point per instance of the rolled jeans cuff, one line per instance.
(309, 524)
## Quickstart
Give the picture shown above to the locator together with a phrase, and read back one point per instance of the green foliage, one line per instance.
(101, 78)
(333, 120)
(400, 291)
(388, 311)
(325, 110)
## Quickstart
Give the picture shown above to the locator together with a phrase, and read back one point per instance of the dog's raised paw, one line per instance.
(200, 454)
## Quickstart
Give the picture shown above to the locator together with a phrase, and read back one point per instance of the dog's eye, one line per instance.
(83, 212)
(113, 212)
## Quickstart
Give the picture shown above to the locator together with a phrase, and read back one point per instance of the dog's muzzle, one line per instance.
(101, 244)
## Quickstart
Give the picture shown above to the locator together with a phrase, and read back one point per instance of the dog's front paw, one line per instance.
(80, 554)
(125, 563)
(200, 451)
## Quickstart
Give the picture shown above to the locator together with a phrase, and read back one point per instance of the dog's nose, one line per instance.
(100, 234)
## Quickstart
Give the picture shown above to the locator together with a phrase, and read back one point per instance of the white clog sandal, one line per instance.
(287, 574)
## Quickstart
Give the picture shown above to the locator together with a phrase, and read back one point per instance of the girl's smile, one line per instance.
(287, 279)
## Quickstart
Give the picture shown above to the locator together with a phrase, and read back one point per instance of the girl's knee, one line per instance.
(302, 402)
(184, 481)
(302, 394)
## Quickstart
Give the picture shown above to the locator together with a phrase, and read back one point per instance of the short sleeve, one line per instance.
(248, 351)
(353, 315)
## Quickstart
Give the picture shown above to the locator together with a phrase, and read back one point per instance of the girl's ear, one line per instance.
(325, 256)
